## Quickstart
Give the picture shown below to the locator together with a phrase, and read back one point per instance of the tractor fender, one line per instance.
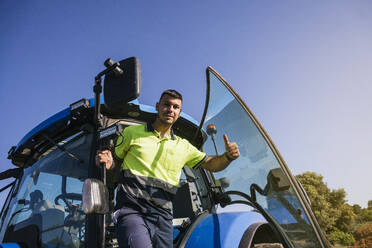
(227, 229)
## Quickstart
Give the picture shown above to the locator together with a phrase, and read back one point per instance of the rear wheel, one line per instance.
(259, 235)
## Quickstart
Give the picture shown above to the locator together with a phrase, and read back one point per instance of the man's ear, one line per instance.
(157, 106)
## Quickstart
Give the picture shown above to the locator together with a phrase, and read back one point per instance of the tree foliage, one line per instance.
(334, 216)
(365, 215)
(357, 209)
(341, 237)
(337, 218)
(346, 218)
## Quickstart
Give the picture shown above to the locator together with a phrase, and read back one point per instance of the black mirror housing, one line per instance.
(277, 180)
(119, 89)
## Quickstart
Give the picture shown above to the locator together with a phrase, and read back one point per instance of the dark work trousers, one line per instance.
(139, 231)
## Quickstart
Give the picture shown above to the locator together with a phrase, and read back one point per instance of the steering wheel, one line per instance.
(67, 198)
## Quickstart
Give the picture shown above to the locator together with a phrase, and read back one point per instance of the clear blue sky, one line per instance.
(303, 67)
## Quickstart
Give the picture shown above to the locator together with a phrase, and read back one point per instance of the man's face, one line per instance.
(169, 109)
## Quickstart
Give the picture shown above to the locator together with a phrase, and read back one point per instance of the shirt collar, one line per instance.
(150, 128)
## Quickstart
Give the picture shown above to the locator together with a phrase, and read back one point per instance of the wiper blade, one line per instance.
(12, 193)
(63, 149)
(10, 184)
(16, 173)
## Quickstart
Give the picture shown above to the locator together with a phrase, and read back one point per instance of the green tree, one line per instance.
(346, 219)
(319, 193)
(370, 204)
(334, 216)
(341, 237)
(365, 215)
(357, 209)
(337, 197)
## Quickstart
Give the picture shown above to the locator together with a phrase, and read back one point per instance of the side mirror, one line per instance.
(95, 197)
(120, 88)
(277, 180)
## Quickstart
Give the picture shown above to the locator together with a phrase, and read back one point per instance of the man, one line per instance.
(153, 158)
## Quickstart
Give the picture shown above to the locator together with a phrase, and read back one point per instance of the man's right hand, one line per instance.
(104, 157)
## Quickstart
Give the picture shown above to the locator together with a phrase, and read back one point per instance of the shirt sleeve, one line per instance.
(194, 157)
(122, 144)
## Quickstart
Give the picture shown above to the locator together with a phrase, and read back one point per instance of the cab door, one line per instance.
(260, 172)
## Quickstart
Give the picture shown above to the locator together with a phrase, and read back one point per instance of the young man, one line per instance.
(153, 158)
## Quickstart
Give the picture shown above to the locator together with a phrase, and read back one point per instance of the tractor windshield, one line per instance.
(49, 197)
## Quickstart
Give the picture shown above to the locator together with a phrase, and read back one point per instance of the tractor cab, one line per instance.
(60, 198)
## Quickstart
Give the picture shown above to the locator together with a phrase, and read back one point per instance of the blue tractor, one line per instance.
(60, 198)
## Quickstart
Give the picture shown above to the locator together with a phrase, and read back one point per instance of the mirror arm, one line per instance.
(254, 187)
(98, 90)
(97, 106)
(97, 124)
(107, 70)
(97, 101)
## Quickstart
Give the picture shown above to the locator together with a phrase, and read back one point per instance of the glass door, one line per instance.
(260, 173)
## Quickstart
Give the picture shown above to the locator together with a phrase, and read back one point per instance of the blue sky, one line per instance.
(303, 67)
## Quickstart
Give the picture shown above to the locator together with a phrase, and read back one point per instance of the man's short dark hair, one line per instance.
(172, 93)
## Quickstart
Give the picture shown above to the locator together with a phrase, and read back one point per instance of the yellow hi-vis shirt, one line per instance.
(146, 154)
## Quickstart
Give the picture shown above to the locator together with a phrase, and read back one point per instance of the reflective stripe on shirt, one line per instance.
(153, 182)
(138, 193)
(152, 190)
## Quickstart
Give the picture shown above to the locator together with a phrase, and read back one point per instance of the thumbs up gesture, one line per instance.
(232, 149)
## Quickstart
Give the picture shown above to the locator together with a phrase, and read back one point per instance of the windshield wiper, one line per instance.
(63, 149)
(9, 185)
(12, 193)
(16, 173)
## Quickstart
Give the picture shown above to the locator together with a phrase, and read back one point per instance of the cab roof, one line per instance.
(62, 125)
